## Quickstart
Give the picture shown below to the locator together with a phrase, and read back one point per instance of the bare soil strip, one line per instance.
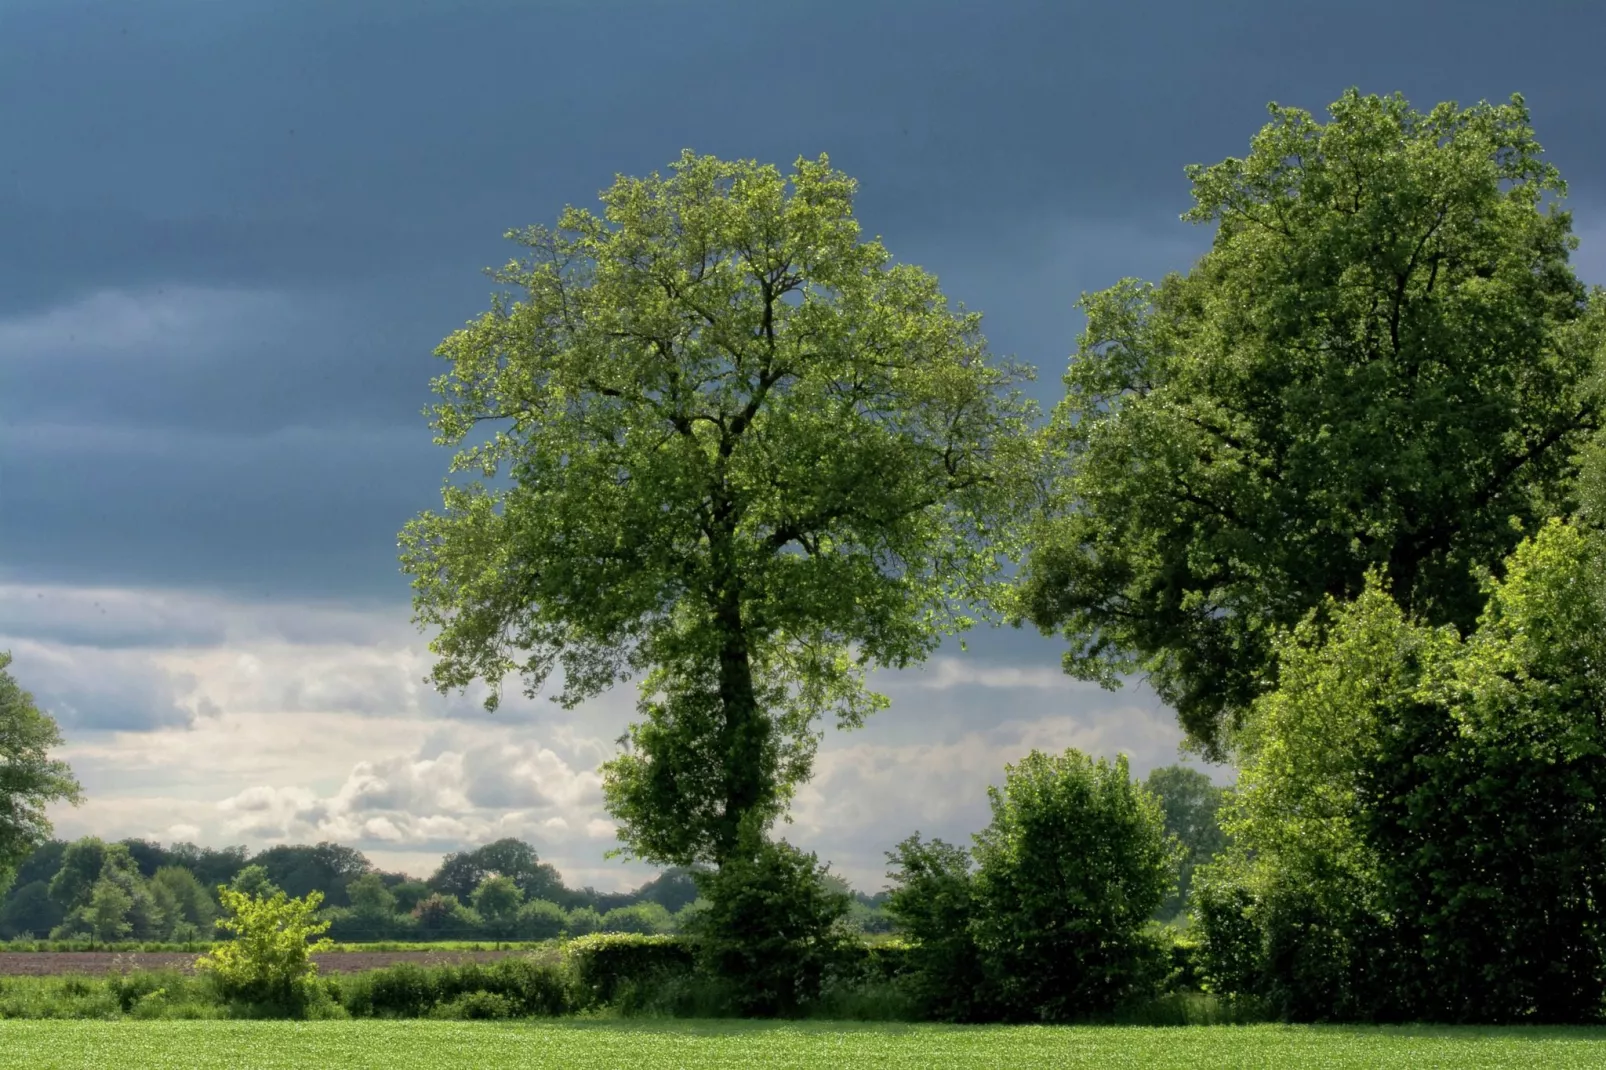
(50, 963)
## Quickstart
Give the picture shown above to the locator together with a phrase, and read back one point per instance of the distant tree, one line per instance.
(324, 867)
(188, 896)
(645, 918)
(464, 871)
(90, 862)
(672, 889)
(541, 920)
(443, 917)
(211, 866)
(148, 856)
(253, 881)
(106, 914)
(583, 921)
(497, 900)
(29, 909)
(370, 898)
(29, 778)
(42, 863)
(81, 864)
(409, 894)
(751, 459)
(1190, 803)
(1383, 361)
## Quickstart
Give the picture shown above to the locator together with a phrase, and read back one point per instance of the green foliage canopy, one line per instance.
(749, 458)
(29, 778)
(1068, 875)
(269, 961)
(1383, 361)
(1417, 830)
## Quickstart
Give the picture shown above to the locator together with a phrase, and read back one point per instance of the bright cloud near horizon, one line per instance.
(234, 234)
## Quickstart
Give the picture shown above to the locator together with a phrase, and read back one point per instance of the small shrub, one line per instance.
(867, 1001)
(1068, 875)
(474, 1006)
(401, 991)
(772, 927)
(1229, 955)
(268, 964)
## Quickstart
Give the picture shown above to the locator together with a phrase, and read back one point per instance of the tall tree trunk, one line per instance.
(744, 732)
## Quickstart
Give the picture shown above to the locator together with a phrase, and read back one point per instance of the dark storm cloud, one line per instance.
(322, 182)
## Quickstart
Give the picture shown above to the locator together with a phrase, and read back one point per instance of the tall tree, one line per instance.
(1384, 360)
(749, 458)
(29, 778)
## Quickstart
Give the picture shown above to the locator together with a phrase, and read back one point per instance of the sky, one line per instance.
(231, 236)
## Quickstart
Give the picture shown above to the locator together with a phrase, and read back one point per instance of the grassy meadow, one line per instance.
(423, 1045)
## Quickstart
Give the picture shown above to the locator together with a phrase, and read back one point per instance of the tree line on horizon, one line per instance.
(138, 890)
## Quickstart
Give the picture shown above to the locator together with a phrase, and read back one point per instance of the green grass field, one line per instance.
(689, 1045)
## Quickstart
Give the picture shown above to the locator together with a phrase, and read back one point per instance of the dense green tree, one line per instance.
(462, 872)
(497, 900)
(1383, 361)
(86, 866)
(409, 894)
(29, 909)
(105, 916)
(211, 866)
(1190, 803)
(672, 889)
(541, 919)
(148, 856)
(324, 867)
(444, 917)
(583, 921)
(42, 863)
(1417, 832)
(933, 901)
(79, 869)
(1068, 875)
(253, 880)
(772, 928)
(370, 898)
(749, 458)
(29, 778)
(189, 898)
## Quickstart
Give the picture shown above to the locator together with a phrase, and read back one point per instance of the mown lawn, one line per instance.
(688, 1045)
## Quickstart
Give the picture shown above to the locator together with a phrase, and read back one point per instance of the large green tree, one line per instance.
(1417, 829)
(749, 457)
(29, 778)
(1383, 361)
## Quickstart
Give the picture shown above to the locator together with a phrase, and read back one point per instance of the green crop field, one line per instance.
(687, 1045)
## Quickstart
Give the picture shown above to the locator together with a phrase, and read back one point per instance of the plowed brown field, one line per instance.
(49, 963)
